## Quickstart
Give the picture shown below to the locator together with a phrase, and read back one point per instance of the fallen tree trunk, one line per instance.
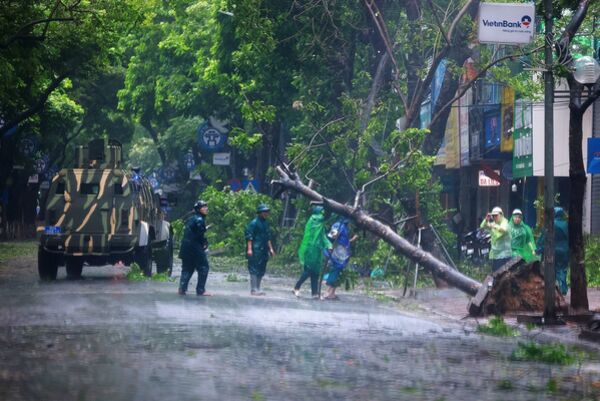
(383, 231)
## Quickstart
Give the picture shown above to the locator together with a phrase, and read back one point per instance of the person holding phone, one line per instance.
(497, 225)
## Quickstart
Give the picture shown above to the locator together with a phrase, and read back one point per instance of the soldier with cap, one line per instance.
(259, 246)
(193, 250)
(497, 225)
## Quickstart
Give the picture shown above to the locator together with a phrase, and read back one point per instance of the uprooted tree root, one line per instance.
(516, 287)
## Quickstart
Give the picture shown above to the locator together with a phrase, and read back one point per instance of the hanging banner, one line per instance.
(438, 80)
(491, 126)
(452, 141)
(463, 124)
(508, 101)
(593, 162)
(440, 157)
(475, 131)
(523, 141)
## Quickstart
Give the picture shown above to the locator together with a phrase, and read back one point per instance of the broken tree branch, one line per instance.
(35, 108)
(383, 231)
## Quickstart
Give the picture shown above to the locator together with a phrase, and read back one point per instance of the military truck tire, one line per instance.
(47, 265)
(74, 268)
(143, 257)
(164, 263)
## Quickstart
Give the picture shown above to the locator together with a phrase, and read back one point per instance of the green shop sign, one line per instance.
(522, 165)
(523, 153)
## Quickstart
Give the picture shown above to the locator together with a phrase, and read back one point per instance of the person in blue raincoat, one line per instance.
(561, 248)
(258, 247)
(193, 250)
(338, 255)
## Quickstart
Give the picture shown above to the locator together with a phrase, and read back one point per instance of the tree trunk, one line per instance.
(364, 221)
(577, 176)
(579, 298)
(373, 93)
(154, 135)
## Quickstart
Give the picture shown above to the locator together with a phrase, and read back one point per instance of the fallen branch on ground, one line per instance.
(362, 219)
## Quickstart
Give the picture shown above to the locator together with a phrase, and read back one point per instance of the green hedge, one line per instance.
(228, 214)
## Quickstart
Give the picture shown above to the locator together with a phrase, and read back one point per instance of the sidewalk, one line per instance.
(450, 303)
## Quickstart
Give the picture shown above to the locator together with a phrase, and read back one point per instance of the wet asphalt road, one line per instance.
(104, 338)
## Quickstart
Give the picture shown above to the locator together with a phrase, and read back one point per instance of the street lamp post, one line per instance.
(549, 271)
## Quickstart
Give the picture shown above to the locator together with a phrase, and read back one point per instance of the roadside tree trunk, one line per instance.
(577, 176)
(147, 124)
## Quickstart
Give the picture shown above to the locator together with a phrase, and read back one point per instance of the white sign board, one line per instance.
(221, 159)
(485, 181)
(511, 23)
(33, 179)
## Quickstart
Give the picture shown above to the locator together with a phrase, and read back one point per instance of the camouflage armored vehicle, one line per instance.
(97, 213)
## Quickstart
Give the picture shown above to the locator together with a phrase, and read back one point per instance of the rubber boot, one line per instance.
(202, 276)
(253, 284)
(259, 292)
(184, 281)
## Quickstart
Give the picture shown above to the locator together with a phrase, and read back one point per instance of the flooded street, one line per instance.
(104, 338)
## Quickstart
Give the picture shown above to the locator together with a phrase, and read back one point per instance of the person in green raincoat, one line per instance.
(258, 247)
(311, 255)
(521, 235)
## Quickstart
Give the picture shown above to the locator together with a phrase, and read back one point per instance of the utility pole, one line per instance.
(549, 271)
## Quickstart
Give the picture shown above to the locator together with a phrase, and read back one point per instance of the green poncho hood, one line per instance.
(522, 241)
(314, 241)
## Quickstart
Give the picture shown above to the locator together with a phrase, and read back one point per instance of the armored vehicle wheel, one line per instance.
(143, 257)
(74, 267)
(47, 265)
(164, 263)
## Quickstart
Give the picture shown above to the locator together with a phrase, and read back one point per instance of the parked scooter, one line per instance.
(476, 246)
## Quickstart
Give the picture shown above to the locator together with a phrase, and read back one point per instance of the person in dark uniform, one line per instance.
(259, 246)
(193, 250)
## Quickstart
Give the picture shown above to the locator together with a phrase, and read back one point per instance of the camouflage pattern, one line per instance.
(100, 211)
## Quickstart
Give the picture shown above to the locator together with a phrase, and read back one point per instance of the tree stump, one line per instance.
(516, 287)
